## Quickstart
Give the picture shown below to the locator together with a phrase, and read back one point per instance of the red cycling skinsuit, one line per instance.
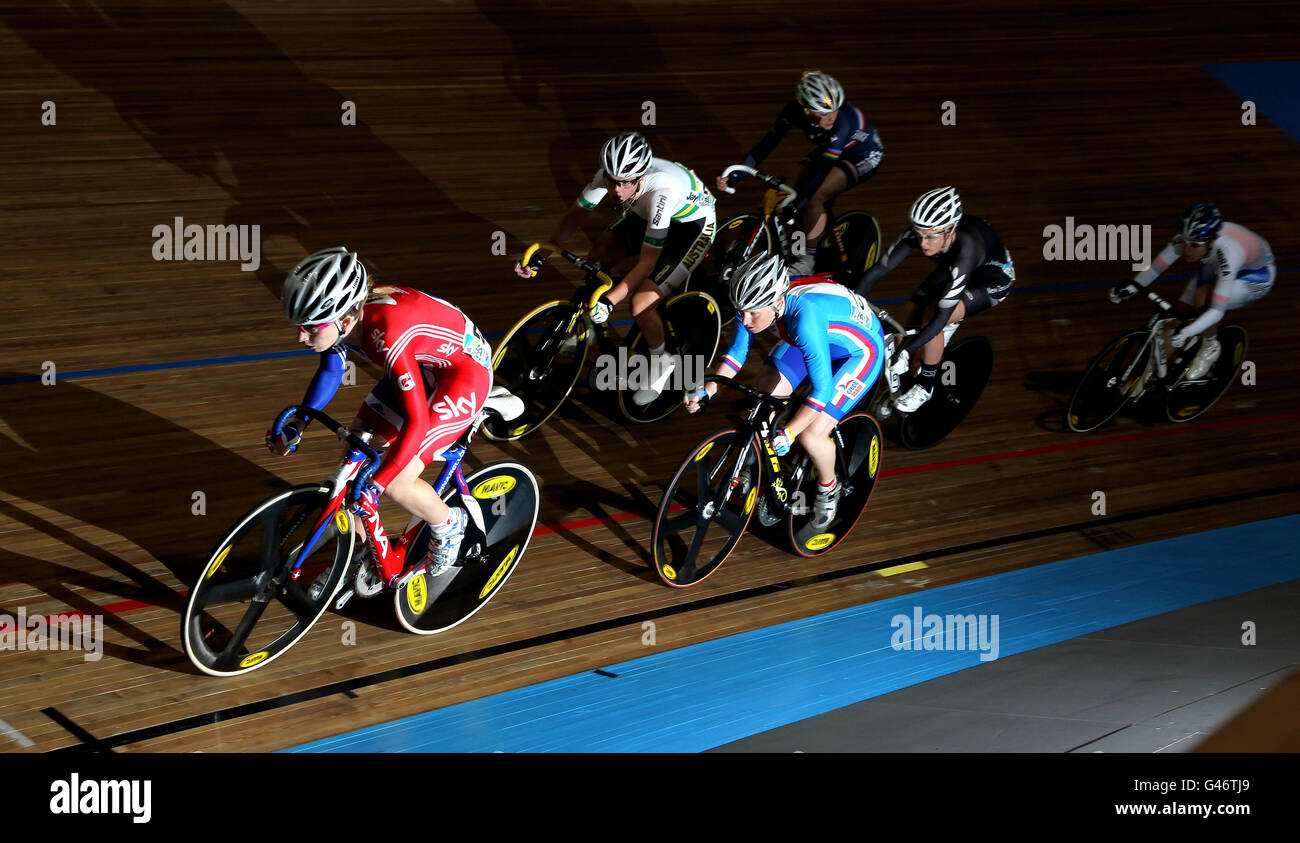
(438, 373)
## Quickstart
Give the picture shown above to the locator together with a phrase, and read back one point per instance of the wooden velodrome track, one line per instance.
(478, 118)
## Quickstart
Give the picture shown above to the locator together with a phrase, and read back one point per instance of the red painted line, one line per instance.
(615, 517)
(1006, 455)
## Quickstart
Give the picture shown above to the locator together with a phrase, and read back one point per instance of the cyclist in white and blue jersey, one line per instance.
(829, 335)
(1236, 269)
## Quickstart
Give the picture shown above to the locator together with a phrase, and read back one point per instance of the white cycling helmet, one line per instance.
(323, 287)
(759, 282)
(940, 208)
(820, 92)
(626, 156)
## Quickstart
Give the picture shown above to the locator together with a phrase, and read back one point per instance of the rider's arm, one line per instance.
(1167, 256)
(961, 271)
(1227, 260)
(734, 360)
(897, 253)
(832, 150)
(329, 375)
(408, 382)
(645, 264)
(658, 206)
(774, 135)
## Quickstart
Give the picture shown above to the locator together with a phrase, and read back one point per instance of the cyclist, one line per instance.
(668, 221)
(972, 273)
(1237, 260)
(437, 374)
(847, 150)
(829, 335)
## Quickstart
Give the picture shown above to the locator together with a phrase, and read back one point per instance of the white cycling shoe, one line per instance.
(444, 549)
(900, 363)
(667, 365)
(1205, 359)
(912, 400)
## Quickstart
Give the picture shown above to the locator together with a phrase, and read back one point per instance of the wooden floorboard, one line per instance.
(483, 118)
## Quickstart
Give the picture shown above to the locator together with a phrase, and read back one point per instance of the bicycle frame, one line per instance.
(359, 466)
(757, 422)
(1156, 336)
(773, 219)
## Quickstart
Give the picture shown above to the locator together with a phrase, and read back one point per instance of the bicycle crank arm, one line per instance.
(344, 596)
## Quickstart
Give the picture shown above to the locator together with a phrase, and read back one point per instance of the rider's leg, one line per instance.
(645, 303)
(931, 356)
(684, 248)
(816, 440)
(816, 215)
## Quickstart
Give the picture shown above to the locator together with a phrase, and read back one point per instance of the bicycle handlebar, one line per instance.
(775, 182)
(589, 266)
(344, 433)
(1158, 300)
(722, 380)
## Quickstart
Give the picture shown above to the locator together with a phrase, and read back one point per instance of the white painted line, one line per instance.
(21, 739)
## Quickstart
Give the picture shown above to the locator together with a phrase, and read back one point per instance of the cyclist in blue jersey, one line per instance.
(829, 335)
(847, 150)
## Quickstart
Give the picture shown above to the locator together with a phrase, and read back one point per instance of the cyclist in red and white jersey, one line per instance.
(1236, 269)
(437, 374)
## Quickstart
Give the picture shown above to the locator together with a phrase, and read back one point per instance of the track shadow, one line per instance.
(127, 472)
(543, 36)
(217, 98)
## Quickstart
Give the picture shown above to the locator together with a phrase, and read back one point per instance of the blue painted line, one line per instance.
(153, 367)
(1274, 87)
(246, 358)
(709, 694)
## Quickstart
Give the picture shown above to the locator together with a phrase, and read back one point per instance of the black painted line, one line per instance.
(90, 743)
(234, 712)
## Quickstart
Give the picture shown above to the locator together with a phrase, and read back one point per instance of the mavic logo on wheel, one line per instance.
(448, 409)
(498, 573)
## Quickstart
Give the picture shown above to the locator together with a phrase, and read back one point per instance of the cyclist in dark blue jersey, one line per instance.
(847, 150)
(973, 272)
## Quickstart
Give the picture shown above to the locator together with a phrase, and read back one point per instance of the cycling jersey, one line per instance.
(976, 258)
(852, 139)
(424, 344)
(670, 193)
(827, 323)
(1239, 264)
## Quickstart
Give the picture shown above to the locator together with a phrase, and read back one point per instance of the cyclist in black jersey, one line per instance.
(847, 150)
(973, 272)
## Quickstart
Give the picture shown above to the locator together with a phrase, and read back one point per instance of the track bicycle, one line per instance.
(846, 249)
(542, 356)
(1120, 373)
(278, 569)
(964, 371)
(710, 500)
